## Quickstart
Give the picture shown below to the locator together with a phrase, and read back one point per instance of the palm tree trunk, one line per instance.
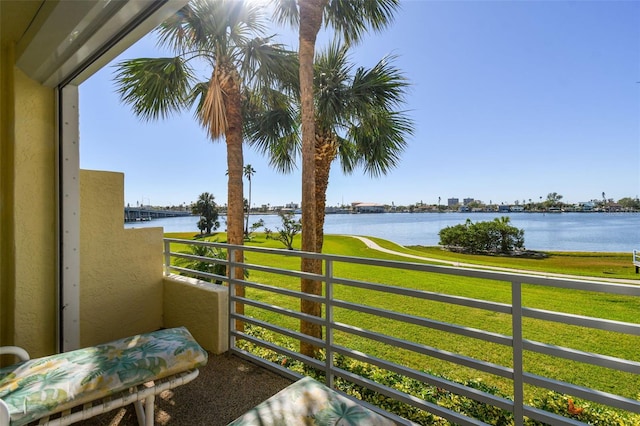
(246, 225)
(326, 152)
(310, 22)
(235, 163)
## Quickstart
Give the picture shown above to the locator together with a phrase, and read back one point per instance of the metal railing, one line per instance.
(507, 326)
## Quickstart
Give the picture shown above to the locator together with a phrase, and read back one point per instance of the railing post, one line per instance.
(167, 257)
(328, 266)
(232, 294)
(518, 380)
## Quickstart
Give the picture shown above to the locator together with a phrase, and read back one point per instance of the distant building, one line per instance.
(504, 208)
(587, 206)
(452, 202)
(367, 208)
(467, 201)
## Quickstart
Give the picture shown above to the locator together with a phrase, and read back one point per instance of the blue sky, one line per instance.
(512, 100)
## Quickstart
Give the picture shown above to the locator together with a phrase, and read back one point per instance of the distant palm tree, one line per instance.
(206, 208)
(248, 172)
(227, 37)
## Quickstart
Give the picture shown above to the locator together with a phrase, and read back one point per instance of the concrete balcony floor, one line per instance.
(227, 387)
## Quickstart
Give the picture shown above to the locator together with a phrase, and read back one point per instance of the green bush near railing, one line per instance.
(552, 402)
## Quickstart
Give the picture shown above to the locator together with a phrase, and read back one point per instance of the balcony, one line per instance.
(503, 338)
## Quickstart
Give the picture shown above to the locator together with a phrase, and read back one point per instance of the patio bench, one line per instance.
(65, 388)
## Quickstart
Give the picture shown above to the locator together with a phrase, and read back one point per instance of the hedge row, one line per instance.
(552, 402)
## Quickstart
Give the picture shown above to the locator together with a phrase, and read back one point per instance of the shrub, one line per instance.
(552, 402)
(496, 236)
(290, 227)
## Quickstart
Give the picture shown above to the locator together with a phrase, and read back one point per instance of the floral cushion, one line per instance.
(42, 386)
(308, 402)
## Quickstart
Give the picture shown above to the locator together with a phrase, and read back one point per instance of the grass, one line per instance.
(613, 307)
(593, 264)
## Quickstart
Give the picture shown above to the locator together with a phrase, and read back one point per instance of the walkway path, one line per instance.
(372, 245)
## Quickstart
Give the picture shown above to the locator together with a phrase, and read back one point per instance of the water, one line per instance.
(602, 232)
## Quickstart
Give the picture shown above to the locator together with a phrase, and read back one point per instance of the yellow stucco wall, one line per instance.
(32, 211)
(6, 192)
(201, 307)
(120, 269)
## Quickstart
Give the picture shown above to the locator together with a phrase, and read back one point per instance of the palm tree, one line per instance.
(350, 19)
(225, 37)
(356, 122)
(248, 171)
(206, 208)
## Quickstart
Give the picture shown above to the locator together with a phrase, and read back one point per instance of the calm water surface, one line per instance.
(605, 232)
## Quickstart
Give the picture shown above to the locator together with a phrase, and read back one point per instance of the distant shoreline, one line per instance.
(565, 232)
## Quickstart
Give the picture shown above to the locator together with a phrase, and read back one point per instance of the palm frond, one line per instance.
(285, 12)
(283, 153)
(384, 85)
(347, 155)
(176, 32)
(332, 85)
(271, 125)
(380, 138)
(211, 110)
(245, 18)
(154, 87)
(265, 63)
(353, 18)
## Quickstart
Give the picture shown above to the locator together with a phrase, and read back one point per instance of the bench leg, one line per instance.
(5, 419)
(148, 410)
(145, 413)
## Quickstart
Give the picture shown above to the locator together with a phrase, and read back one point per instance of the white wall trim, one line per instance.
(69, 169)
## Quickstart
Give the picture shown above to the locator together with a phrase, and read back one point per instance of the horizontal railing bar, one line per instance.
(199, 258)
(459, 419)
(196, 242)
(280, 271)
(599, 360)
(550, 418)
(200, 274)
(297, 274)
(276, 368)
(454, 387)
(428, 295)
(437, 325)
(284, 291)
(547, 281)
(236, 247)
(281, 330)
(601, 397)
(280, 310)
(279, 349)
(476, 364)
(582, 321)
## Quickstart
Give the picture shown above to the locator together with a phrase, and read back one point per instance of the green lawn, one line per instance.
(619, 308)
